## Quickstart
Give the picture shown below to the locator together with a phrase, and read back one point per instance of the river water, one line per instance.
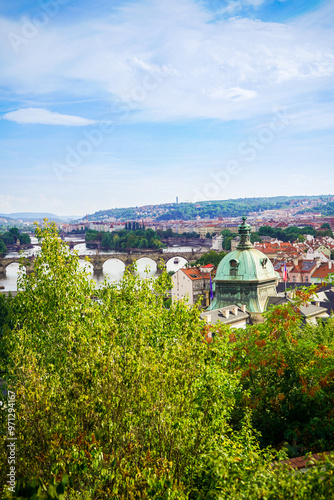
(113, 269)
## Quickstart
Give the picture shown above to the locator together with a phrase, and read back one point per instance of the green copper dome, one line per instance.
(249, 265)
(245, 263)
(244, 276)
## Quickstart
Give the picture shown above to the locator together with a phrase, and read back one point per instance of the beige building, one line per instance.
(192, 284)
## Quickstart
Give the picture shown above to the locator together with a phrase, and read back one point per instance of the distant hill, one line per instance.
(211, 209)
(32, 216)
(326, 209)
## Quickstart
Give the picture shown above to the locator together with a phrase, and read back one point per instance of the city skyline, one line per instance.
(139, 102)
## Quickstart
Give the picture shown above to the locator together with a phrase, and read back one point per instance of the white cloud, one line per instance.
(235, 93)
(168, 62)
(9, 202)
(45, 117)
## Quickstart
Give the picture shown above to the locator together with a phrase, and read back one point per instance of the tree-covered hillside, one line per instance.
(327, 209)
(205, 209)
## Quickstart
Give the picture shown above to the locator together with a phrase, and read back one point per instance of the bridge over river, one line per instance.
(98, 260)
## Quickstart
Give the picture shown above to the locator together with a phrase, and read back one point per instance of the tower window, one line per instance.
(234, 264)
(264, 262)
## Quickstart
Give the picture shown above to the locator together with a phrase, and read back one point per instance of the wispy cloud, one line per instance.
(198, 68)
(181, 79)
(8, 202)
(45, 117)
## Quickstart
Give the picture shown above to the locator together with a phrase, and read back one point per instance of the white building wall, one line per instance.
(182, 287)
(217, 243)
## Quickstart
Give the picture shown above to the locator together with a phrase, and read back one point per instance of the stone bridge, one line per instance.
(98, 260)
(128, 259)
(4, 263)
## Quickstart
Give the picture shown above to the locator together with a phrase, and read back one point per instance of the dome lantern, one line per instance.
(244, 233)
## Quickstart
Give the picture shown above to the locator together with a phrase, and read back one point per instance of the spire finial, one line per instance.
(244, 233)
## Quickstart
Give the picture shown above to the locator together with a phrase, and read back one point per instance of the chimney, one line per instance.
(330, 264)
(234, 310)
(243, 308)
(226, 313)
(317, 303)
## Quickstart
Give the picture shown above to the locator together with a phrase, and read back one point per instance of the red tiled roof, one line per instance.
(295, 269)
(194, 273)
(303, 462)
(322, 271)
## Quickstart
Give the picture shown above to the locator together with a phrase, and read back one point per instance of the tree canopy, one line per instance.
(125, 239)
(11, 237)
(120, 397)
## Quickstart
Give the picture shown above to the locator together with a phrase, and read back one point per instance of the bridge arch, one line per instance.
(98, 260)
(113, 267)
(12, 266)
(10, 275)
(87, 266)
(176, 263)
(146, 267)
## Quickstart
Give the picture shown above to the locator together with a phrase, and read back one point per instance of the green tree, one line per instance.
(126, 398)
(8, 238)
(15, 233)
(287, 378)
(211, 257)
(24, 239)
(3, 248)
(107, 241)
(254, 237)
(122, 382)
(143, 243)
(226, 233)
(227, 243)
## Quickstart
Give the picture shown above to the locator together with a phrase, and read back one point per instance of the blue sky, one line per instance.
(108, 104)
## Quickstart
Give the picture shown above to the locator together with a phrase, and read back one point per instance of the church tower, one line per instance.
(245, 277)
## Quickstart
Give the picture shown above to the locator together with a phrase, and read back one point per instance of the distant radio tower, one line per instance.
(177, 200)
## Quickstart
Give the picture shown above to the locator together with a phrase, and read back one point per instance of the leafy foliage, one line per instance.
(326, 209)
(287, 379)
(211, 257)
(129, 399)
(3, 248)
(125, 239)
(11, 237)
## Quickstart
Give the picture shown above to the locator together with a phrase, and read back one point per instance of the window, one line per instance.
(234, 264)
